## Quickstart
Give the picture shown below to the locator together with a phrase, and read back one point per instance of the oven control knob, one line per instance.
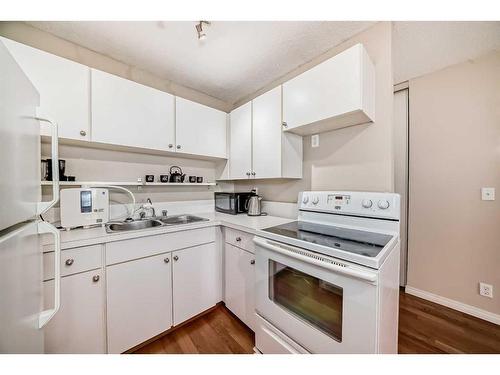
(383, 204)
(305, 199)
(315, 200)
(366, 203)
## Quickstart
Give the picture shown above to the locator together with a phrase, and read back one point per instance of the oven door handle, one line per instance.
(296, 252)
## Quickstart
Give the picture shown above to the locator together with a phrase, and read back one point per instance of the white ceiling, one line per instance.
(423, 47)
(236, 59)
(239, 58)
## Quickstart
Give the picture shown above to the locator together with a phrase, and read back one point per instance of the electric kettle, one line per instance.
(253, 206)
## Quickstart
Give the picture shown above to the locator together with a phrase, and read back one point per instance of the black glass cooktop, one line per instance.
(355, 241)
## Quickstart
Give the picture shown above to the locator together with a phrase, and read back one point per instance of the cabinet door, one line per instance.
(240, 284)
(63, 86)
(266, 133)
(139, 301)
(240, 155)
(197, 280)
(78, 327)
(199, 130)
(130, 114)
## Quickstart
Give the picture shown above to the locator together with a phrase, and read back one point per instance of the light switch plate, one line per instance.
(315, 140)
(488, 194)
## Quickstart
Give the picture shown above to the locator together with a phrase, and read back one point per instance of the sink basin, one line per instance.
(132, 225)
(181, 219)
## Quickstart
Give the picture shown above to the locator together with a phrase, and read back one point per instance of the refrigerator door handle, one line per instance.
(44, 206)
(47, 315)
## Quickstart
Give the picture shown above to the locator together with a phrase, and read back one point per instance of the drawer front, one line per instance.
(75, 260)
(269, 340)
(122, 251)
(240, 239)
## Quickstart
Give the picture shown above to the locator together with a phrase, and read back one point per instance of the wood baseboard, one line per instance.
(455, 305)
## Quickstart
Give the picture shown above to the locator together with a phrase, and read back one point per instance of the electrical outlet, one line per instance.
(488, 194)
(486, 290)
(315, 140)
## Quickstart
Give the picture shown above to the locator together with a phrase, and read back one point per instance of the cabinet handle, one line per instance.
(170, 145)
(238, 239)
(166, 260)
(69, 262)
(285, 125)
(248, 173)
(83, 133)
(95, 278)
(176, 258)
(253, 173)
(178, 147)
(252, 261)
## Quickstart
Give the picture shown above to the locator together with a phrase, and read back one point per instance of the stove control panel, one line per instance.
(382, 205)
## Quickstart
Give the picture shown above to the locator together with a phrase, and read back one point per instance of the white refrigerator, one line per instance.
(22, 311)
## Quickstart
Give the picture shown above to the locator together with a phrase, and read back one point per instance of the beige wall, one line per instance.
(355, 158)
(31, 36)
(454, 236)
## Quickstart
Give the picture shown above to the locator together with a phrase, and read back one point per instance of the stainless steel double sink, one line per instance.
(126, 226)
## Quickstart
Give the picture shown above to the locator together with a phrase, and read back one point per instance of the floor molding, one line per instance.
(452, 304)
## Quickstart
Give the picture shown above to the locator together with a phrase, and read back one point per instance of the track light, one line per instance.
(199, 29)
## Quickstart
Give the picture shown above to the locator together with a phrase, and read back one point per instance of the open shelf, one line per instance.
(129, 183)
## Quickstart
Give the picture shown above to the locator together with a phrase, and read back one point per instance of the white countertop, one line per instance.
(91, 236)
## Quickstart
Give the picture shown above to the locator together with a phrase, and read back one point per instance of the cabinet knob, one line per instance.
(83, 133)
(166, 260)
(95, 278)
(69, 262)
(238, 239)
(285, 125)
(176, 258)
(170, 145)
(178, 147)
(252, 261)
(248, 173)
(253, 173)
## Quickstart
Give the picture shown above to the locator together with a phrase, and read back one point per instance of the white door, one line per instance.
(139, 301)
(78, 327)
(239, 284)
(196, 280)
(240, 154)
(200, 130)
(63, 86)
(266, 133)
(130, 114)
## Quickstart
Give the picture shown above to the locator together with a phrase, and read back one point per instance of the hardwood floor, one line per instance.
(424, 328)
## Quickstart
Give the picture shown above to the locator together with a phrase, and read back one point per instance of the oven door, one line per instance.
(325, 305)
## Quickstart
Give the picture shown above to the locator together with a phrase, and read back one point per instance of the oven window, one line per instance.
(313, 300)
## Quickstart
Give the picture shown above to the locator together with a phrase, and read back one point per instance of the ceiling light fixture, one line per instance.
(199, 30)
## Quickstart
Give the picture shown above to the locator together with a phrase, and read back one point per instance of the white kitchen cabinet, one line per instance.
(199, 129)
(130, 114)
(259, 148)
(239, 284)
(197, 281)
(240, 146)
(79, 325)
(337, 93)
(139, 301)
(63, 86)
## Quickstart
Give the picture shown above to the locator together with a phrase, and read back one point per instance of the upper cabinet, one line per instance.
(337, 93)
(200, 130)
(130, 114)
(63, 86)
(258, 147)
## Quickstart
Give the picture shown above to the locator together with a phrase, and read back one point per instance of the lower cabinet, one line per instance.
(79, 325)
(139, 301)
(239, 284)
(196, 280)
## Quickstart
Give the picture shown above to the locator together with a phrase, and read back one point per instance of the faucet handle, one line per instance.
(142, 215)
(164, 212)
